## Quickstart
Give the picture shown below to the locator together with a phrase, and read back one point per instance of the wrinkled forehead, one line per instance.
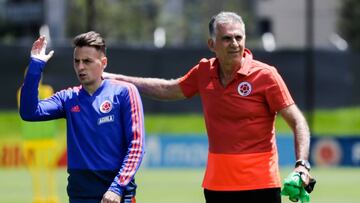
(230, 29)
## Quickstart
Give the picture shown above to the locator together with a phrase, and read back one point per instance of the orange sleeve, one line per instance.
(277, 93)
(189, 82)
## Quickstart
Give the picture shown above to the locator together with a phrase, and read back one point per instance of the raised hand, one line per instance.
(38, 49)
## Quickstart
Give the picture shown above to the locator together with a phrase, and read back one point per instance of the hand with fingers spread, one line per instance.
(111, 197)
(38, 49)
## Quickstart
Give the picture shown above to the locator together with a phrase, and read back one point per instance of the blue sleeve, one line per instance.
(133, 120)
(31, 108)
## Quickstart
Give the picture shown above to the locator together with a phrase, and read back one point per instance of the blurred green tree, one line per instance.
(349, 23)
(124, 21)
(127, 22)
(133, 22)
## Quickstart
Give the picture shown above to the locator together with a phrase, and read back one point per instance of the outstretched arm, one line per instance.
(156, 88)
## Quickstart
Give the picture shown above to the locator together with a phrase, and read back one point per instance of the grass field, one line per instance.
(184, 185)
(335, 185)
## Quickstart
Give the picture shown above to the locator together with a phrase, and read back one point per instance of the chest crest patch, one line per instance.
(106, 106)
(244, 89)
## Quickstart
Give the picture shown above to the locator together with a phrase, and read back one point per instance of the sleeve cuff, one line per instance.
(36, 66)
(117, 189)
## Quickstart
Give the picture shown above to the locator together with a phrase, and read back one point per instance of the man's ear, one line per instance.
(211, 44)
(104, 61)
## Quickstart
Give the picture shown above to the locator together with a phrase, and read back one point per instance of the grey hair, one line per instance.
(223, 18)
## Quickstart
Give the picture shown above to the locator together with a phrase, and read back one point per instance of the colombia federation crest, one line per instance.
(106, 106)
(244, 88)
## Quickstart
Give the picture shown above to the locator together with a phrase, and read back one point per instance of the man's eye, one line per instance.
(238, 38)
(226, 38)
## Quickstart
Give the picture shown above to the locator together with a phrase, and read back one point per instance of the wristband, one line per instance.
(302, 162)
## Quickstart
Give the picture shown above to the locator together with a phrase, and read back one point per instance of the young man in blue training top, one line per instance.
(105, 126)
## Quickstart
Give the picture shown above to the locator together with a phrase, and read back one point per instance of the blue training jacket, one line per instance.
(105, 132)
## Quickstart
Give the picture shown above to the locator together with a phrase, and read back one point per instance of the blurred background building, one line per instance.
(286, 21)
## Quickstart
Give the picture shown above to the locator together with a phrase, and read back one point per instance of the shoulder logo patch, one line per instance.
(244, 89)
(106, 106)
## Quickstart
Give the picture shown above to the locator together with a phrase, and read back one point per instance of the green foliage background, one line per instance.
(134, 22)
(349, 24)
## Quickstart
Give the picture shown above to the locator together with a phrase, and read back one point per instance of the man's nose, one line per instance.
(234, 42)
(80, 65)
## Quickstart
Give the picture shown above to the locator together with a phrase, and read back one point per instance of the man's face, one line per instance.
(89, 65)
(229, 44)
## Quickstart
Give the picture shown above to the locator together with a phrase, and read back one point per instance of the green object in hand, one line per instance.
(294, 189)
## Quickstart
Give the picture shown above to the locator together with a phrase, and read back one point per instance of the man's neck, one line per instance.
(90, 89)
(227, 72)
(225, 76)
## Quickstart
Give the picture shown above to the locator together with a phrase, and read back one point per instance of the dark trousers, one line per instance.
(271, 195)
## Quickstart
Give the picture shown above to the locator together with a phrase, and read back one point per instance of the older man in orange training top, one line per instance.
(240, 97)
